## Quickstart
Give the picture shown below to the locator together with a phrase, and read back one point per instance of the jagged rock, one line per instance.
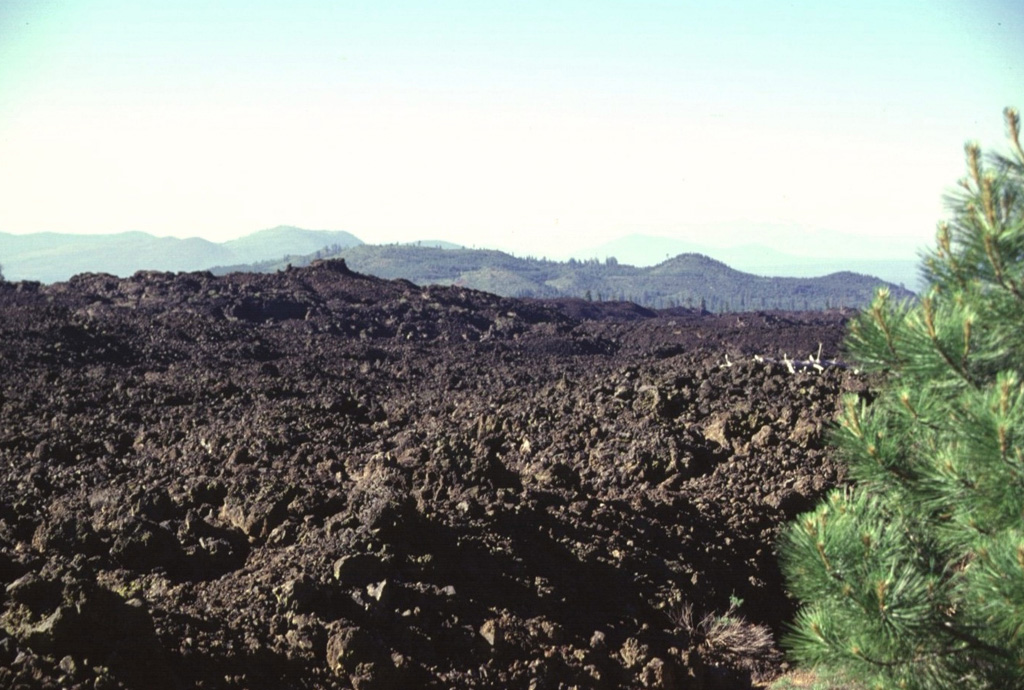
(256, 516)
(764, 438)
(491, 632)
(658, 674)
(299, 594)
(717, 431)
(79, 619)
(349, 648)
(317, 478)
(354, 570)
(143, 545)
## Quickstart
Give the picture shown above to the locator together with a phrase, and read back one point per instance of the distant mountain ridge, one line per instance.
(688, 280)
(761, 259)
(51, 257)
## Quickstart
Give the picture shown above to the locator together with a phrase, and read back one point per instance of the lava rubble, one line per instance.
(319, 479)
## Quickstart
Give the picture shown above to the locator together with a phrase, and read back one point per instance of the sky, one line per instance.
(531, 126)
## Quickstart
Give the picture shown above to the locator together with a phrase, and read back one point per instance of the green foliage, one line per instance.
(914, 576)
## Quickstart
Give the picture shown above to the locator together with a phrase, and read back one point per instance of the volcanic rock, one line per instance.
(319, 479)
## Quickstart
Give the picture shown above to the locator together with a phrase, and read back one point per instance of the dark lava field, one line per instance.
(318, 479)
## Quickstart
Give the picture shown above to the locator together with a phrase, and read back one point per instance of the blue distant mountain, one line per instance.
(758, 259)
(286, 240)
(51, 257)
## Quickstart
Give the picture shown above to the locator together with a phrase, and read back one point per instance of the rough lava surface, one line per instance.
(319, 479)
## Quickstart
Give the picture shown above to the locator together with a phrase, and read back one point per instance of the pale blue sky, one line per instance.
(492, 123)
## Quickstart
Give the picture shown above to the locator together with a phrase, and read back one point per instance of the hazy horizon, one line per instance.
(516, 126)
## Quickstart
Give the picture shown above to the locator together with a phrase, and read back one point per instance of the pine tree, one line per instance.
(913, 577)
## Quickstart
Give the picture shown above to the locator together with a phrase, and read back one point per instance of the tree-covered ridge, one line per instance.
(687, 280)
(914, 576)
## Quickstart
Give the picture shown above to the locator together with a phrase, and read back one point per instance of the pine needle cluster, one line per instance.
(913, 577)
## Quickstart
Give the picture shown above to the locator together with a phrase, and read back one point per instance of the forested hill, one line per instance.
(687, 280)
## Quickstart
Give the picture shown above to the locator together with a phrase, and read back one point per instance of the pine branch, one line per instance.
(916, 575)
(929, 321)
